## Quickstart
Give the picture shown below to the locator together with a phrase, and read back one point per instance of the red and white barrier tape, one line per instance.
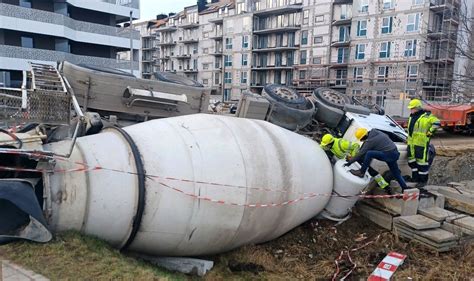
(304, 196)
(387, 267)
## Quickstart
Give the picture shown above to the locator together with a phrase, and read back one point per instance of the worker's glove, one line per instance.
(348, 158)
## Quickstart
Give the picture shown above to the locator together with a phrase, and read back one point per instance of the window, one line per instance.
(245, 41)
(243, 77)
(360, 52)
(205, 66)
(410, 48)
(227, 77)
(364, 6)
(318, 40)
(205, 81)
(387, 25)
(412, 73)
(205, 50)
(382, 74)
(418, 2)
(227, 94)
(245, 59)
(217, 63)
(227, 60)
(356, 93)
(358, 74)
(241, 8)
(304, 37)
(385, 50)
(25, 3)
(302, 74)
(319, 18)
(217, 78)
(344, 32)
(303, 57)
(341, 77)
(387, 4)
(228, 43)
(413, 23)
(305, 16)
(342, 54)
(27, 42)
(362, 28)
(205, 34)
(344, 14)
(317, 60)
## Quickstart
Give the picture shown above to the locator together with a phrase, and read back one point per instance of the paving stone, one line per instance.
(451, 219)
(438, 249)
(410, 207)
(378, 217)
(436, 213)
(467, 222)
(456, 229)
(433, 243)
(437, 235)
(426, 203)
(440, 199)
(419, 222)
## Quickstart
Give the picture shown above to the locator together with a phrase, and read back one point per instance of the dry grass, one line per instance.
(307, 252)
(71, 256)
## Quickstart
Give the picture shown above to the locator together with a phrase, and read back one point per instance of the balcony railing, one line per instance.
(18, 12)
(49, 55)
(126, 3)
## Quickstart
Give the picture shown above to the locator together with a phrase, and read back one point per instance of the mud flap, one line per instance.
(22, 217)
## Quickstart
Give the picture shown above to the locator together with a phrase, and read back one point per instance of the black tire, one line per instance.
(176, 79)
(329, 115)
(107, 70)
(331, 97)
(284, 94)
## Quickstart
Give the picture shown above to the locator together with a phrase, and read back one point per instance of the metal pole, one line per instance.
(408, 53)
(131, 43)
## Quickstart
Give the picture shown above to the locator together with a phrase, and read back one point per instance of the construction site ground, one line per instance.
(307, 252)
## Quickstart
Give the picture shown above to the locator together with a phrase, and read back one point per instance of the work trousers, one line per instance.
(390, 158)
(420, 159)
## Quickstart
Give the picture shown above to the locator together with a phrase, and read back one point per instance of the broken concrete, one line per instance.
(184, 265)
(375, 215)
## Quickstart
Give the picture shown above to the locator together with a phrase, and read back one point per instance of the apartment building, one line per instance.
(150, 49)
(79, 31)
(370, 49)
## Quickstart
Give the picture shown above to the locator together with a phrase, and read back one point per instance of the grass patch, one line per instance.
(72, 256)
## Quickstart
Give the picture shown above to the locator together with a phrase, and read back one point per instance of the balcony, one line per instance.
(345, 21)
(167, 43)
(272, 67)
(65, 26)
(345, 43)
(431, 83)
(189, 41)
(440, 5)
(20, 56)
(189, 25)
(439, 59)
(217, 20)
(283, 9)
(167, 28)
(268, 30)
(216, 36)
(182, 56)
(217, 53)
(276, 49)
(190, 70)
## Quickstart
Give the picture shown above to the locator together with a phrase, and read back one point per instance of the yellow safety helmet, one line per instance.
(415, 103)
(360, 133)
(327, 139)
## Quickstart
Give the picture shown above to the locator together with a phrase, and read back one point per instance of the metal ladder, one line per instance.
(45, 77)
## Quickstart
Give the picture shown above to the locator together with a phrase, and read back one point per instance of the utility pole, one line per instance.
(131, 43)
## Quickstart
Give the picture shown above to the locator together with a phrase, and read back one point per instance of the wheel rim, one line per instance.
(286, 94)
(333, 97)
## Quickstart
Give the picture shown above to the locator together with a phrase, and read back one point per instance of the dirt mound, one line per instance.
(458, 167)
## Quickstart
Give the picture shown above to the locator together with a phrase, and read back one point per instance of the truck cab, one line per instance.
(352, 121)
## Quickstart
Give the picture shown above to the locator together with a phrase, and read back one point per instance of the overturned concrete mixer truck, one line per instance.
(180, 186)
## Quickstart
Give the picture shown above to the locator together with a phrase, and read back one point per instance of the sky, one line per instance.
(150, 8)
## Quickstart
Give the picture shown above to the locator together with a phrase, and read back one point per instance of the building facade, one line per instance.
(369, 49)
(78, 31)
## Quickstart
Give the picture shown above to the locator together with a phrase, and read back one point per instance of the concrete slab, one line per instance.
(451, 219)
(410, 207)
(436, 213)
(440, 199)
(426, 203)
(467, 222)
(438, 235)
(438, 249)
(433, 243)
(419, 222)
(376, 216)
(184, 265)
(456, 229)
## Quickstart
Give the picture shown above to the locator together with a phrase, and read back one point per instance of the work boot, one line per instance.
(420, 185)
(389, 190)
(357, 173)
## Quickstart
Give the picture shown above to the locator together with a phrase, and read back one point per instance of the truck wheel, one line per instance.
(284, 94)
(176, 79)
(329, 115)
(331, 97)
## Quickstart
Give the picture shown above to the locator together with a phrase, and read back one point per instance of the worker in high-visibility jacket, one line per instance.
(344, 149)
(421, 127)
